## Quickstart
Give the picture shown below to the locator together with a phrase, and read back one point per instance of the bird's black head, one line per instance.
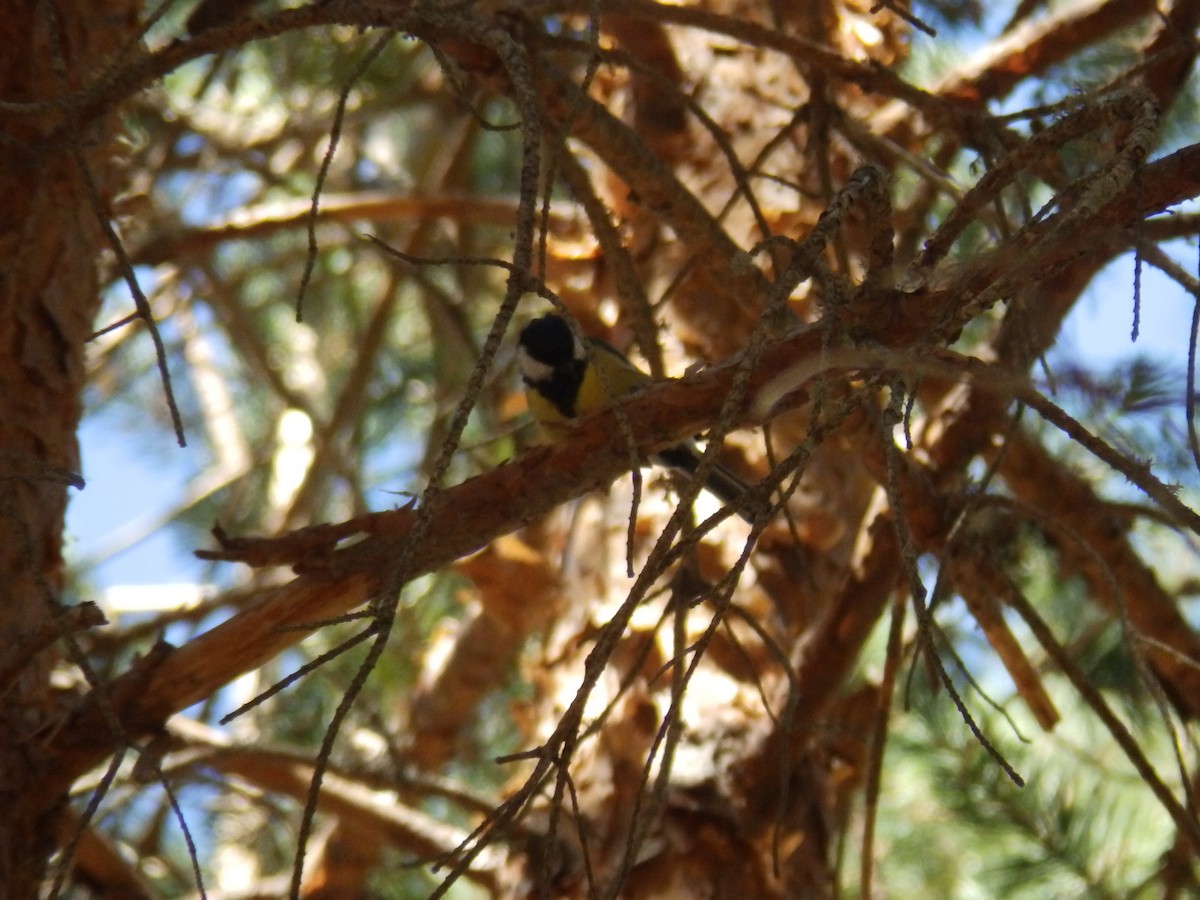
(549, 341)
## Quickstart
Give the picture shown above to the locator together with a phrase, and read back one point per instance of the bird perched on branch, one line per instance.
(566, 378)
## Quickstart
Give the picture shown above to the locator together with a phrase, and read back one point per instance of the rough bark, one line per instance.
(50, 238)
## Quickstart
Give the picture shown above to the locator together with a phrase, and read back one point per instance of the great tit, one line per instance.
(562, 382)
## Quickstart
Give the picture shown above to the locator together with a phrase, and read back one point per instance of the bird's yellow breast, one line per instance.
(596, 391)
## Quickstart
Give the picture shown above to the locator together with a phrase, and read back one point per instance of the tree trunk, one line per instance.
(50, 238)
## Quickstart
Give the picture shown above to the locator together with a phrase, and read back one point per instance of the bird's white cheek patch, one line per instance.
(531, 369)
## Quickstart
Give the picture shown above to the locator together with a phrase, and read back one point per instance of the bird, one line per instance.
(563, 381)
(214, 13)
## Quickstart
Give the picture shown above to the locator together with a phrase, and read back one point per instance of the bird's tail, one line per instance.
(721, 481)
